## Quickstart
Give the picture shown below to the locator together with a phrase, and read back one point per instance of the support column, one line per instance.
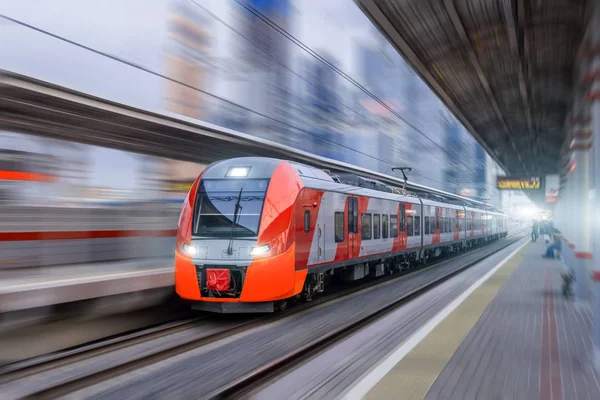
(578, 234)
(563, 222)
(593, 96)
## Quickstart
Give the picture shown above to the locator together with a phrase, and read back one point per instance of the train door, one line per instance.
(352, 227)
(321, 231)
(437, 233)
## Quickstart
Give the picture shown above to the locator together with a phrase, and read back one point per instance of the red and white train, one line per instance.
(257, 232)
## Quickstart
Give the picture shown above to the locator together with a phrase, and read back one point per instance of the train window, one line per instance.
(437, 218)
(417, 225)
(339, 227)
(394, 225)
(409, 222)
(432, 225)
(446, 225)
(366, 227)
(426, 224)
(306, 221)
(402, 217)
(385, 226)
(376, 226)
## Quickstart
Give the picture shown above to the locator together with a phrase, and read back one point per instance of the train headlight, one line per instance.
(260, 250)
(238, 172)
(189, 249)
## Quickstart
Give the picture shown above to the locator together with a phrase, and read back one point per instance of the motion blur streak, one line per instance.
(314, 75)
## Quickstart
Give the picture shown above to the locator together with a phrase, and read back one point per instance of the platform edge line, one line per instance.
(364, 386)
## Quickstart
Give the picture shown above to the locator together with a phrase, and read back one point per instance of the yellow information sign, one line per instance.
(508, 183)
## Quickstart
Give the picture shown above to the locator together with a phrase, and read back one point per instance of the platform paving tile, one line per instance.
(509, 352)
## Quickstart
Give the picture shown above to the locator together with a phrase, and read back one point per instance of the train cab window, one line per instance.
(394, 225)
(385, 226)
(409, 222)
(366, 227)
(426, 224)
(376, 226)
(339, 227)
(417, 225)
(402, 217)
(306, 221)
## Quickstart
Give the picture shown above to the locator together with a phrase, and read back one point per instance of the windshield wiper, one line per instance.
(234, 222)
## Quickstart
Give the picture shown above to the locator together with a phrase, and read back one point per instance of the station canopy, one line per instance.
(505, 68)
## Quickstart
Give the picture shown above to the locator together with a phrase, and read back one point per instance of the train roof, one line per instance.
(316, 178)
(429, 202)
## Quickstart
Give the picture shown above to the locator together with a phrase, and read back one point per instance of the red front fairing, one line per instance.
(184, 227)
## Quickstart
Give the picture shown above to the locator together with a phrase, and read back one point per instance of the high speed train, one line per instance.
(257, 232)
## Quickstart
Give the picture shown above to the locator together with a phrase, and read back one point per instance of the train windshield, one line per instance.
(229, 207)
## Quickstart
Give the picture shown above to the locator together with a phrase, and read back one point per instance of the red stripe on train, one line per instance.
(75, 235)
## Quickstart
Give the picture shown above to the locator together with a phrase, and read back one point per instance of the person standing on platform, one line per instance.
(534, 231)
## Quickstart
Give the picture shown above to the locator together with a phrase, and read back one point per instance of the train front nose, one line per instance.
(223, 236)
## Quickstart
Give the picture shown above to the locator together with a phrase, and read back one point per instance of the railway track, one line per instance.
(72, 370)
(242, 387)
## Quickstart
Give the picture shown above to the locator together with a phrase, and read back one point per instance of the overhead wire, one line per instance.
(283, 32)
(157, 74)
(313, 53)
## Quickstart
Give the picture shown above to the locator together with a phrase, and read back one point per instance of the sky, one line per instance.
(136, 31)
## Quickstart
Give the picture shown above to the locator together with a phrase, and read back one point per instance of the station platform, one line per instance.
(512, 335)
(33, 287)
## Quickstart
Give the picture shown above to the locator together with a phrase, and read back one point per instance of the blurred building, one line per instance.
(267, 49)
(387, 77)
(455, 180)
(480, 171)
(187, 52)
(322, 115)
